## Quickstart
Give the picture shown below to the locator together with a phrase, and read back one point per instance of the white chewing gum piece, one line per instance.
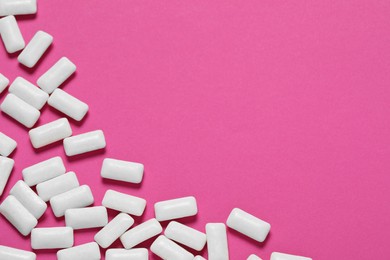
(17, 7)
(141, 233)
(63, 183)
(19, 110)
(124, 254)
(88, 251)
(122, 170)
(10, 34)
(217, 244)
(56, 75)
(29, 93)
(76, 198)
(113, 230)
(167, 249)
(185, 235)
(43, 171)
(18, 215)
(82, 218)
(50, 133)
(68, 104)
(124, 203)
(6, 166)
(175, 208)
(248, 225)
(282, 256)
(83, 143)
(4, 81)
(28, 198)
(35, 49)
(10, 253)
(7, 145)
(52, 237)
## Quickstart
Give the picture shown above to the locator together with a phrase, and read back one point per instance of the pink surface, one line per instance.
(280, 108)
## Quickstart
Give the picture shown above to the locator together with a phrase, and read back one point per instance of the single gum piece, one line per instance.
(18, 215)
(124, 254)
(43, 171)
(10, 253)
(141, 233)
(10, 33)
(6, 165)
(16, 7)
(53, 237)
(217, 244)
(124, 202)
(50, 133)
(63, 183)
(91, 217)
(76, 198)
(7, 145)
(29, 93)
(248, 225)
(56, 75)
(35, 49)
(86, 251)
(68, 104)
(29, 199)
(167, 249)
(84, 143)
(175, 208)
(114, 229)
(185, 235)
(19, 110)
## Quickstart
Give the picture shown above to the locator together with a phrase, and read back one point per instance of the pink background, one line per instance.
(278, 107)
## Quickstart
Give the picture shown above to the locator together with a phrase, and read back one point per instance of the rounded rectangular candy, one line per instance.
(124, 202)
(43, 171)
(88, 251)
(6, 165)
(253, 257)
(7, 145)
(167, 249)
(3, 82)
(113, 230)
(76, 198)
(68, 104)
(185, 235)
(124, 254)
(35, 49)
(141, 233)
(91, 217)
(84, 143)
(122, 170)
(217, 244)
(11, 35)
(18, 215)
(248, 224)
(29, 199)
(9, 253)
(281, 256)
(176, 208)
(50, 133)
(19, 110)
(15, 7)
(56, 75)
(29, 93)
(52, 237)
(63, 183)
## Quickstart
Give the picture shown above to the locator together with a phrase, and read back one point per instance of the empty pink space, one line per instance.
(280, 108)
